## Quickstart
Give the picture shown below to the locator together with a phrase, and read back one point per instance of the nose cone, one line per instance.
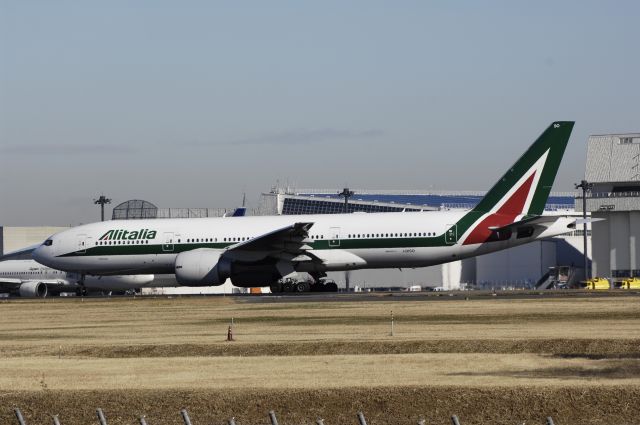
(42, 255)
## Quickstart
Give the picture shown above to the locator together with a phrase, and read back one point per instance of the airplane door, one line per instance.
(451, 236)
(167, 246)
(82, 244)
(334, 237)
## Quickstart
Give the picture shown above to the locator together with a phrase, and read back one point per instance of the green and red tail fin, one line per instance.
(522, 191)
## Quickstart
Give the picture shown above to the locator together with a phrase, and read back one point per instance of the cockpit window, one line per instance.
(48, 242)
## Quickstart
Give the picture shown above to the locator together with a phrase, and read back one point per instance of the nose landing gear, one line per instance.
(81, 291)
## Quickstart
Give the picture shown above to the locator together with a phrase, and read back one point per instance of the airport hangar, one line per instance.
(613, 173)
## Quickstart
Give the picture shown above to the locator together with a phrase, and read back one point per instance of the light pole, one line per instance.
(346, 193)
(102, 200)
(585, 186)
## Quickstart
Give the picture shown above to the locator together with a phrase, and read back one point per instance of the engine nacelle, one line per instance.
(33, 289)
(202, 267)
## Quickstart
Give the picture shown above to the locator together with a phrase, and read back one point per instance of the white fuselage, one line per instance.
(341, 241)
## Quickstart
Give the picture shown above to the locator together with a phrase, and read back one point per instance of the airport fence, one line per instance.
(273, 420)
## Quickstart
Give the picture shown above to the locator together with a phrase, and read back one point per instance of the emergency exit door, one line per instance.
(167, 246)
(451, 235)
(334, 237)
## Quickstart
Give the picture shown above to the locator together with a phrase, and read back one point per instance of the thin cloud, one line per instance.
(299, 137)
(65, 149)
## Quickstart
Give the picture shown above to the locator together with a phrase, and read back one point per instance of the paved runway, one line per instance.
(433, 296)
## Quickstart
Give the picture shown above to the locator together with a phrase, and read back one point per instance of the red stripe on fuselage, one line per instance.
(506, 214)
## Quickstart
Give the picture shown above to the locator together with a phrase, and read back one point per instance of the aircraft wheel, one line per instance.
(331, 287)
(319, 287)
(287, 286)
(302, 287)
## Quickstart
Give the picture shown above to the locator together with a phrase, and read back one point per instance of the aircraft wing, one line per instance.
(15, 283)
(22, 253)
(10, 283)
(284, 243)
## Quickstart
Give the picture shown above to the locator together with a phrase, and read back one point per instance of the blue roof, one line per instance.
(436, 200)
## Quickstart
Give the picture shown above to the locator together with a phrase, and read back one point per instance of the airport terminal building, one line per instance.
(613, 172)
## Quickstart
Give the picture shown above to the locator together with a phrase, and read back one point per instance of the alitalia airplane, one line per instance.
(261, 251)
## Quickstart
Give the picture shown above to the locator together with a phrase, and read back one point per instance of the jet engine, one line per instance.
(202, 267)
(33, 289)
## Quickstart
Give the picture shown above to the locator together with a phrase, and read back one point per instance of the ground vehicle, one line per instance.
(630, 283)
(597, 283)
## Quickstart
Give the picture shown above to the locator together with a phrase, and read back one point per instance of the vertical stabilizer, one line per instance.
(523, 189)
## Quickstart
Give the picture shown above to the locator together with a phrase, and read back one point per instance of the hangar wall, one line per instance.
(616, 244)
(613, 170)
(16, 237)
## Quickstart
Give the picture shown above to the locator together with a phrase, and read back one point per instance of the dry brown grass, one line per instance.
(478, 358)
(596, 405)
(322, 372)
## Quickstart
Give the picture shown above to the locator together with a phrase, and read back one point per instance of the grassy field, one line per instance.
(488, 360)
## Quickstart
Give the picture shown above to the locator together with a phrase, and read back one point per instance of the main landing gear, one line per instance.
(317, 284)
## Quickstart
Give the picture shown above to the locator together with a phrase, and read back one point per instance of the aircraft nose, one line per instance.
(42, 255)
(37, 254)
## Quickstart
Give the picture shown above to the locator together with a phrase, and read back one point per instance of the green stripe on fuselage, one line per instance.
(366, 243)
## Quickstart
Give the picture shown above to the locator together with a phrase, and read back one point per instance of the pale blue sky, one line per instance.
(190, 103)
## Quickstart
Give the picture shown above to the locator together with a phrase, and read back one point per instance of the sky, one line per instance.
(193, 103)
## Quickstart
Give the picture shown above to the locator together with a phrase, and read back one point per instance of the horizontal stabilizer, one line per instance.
(589, 220)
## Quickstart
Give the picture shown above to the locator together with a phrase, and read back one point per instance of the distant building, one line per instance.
(17, 237)
(138, 209)
(613, 167)
(288, 201)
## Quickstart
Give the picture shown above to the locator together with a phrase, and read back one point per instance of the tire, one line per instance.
(287, 286)
(302, 287)
(331, 287)
(319, 287)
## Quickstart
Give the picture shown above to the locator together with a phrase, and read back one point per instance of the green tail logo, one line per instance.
(522, 191)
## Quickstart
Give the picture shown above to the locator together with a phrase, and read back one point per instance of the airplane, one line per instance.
(31, 279)
(265, 250)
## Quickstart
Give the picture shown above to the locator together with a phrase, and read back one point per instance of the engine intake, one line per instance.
(202, 267)
(33, 289)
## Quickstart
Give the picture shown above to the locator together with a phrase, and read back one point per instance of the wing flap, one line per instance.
(287, 243)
